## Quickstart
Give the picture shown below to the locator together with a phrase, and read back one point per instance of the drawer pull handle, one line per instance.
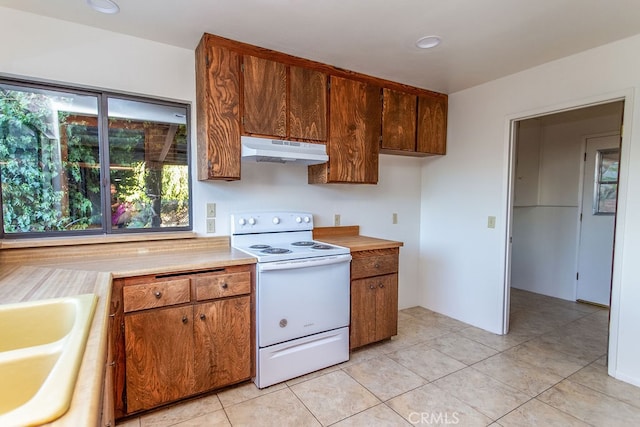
(202, 316)
(372, 286)
(377, 265)
(224, 285)
(158, 294)
(185, 319)
(381, 285)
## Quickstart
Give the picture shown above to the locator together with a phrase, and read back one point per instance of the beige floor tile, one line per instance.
(277, 409)
(384, 377)
(542, 355)
(431, 318)
(378, 416)
(521, 375)
(242, 392)
(481, 392)
(596, 377)
(497, 342)
(214, 419)
(181, 412)
(461, 348)
(536, 413)
(313, 375)
(590, 406)
(334, 397)
(577, 344)
(430, 364)
(429, 405)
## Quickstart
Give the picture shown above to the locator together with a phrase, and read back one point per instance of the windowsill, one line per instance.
(93, 240)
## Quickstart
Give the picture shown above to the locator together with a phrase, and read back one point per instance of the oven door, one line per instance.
(302, 297)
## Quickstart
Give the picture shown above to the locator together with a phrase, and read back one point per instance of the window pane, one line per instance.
(606, 181)
(49, 160)
(148, 165)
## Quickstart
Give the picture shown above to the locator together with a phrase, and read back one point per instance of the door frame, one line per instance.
(626, 95)
(583, 171)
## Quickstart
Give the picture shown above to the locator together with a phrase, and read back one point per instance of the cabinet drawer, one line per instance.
(368, 266)
(222, 285)
(155, 294)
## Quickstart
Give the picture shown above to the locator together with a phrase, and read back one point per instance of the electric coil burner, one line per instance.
(302, 294)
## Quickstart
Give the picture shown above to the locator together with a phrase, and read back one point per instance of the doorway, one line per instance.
(547, 240)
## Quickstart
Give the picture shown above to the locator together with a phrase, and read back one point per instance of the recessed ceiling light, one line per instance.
(104, 6)
(428, 42)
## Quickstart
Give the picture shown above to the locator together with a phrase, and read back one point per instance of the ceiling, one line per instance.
(481, 39)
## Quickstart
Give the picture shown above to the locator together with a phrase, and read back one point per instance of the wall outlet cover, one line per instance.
(211, 225)
(211, 210)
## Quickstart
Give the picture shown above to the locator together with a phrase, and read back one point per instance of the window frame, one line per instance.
(103, 97)
(598, 181)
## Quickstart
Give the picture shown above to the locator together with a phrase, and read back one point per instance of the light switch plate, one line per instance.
(211, 225)
(491, 222)
(394, 218)
(211, 210)
(336, 220)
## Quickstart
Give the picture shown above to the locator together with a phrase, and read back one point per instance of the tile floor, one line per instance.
(549, 370)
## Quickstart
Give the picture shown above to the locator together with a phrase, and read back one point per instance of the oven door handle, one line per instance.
(304, 263)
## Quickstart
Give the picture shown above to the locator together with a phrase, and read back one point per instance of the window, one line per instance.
(606, 182)
(78, 162)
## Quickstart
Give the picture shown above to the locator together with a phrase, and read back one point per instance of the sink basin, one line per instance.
(41, 348)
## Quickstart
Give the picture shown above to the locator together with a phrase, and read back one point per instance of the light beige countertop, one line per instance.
(349, 236)
(90, 269)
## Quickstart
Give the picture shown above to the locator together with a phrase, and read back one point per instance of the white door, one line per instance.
(599, 192)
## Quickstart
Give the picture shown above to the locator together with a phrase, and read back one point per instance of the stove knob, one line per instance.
(242, 221)
(307, 219)
(252, 221)
(298, 219)
(276, 220)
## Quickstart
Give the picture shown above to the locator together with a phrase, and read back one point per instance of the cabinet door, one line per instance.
(159, 356)
(355, 131)
(432, 125)
(308, 104)
(218, 113)
(264, 97)
(398, 120)
(362, 329)
(223, 342)
(386, 306)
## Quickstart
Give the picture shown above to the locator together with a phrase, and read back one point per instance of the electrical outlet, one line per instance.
(336, 220)
(394, 219)
(491, 222)
(211, 225)
(211, 210)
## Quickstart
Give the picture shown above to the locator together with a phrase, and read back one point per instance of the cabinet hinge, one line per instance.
(122, 327)
(242, 67)
(206, 60)
(577, 276)
(581, 217)
(585, 157)
(328, 84)
(242, 120)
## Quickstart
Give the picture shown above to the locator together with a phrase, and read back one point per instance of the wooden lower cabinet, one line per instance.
(222, 342)
(159, 355)
(167, 348)
(374, 296)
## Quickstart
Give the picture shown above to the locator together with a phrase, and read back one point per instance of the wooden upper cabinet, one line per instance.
(353, 144)
(432, 125)
(218, 113)
(283, 101)
(399, 112)
(265, 97)
(308, 104)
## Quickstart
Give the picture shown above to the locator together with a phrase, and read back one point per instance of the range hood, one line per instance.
(278, 151)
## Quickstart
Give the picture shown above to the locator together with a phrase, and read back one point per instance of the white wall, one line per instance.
(462, 262)
(550, 152)
(48, 49)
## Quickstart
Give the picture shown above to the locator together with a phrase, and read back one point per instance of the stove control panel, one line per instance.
(270, 222)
